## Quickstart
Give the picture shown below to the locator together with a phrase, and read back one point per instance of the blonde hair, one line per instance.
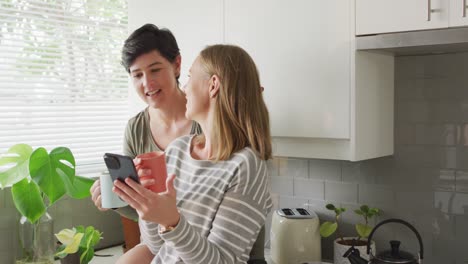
(241, 116)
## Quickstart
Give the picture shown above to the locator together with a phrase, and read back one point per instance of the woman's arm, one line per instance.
(236, 225)
(150, 236)
(139, 254)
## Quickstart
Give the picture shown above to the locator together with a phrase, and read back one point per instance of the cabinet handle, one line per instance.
(429, 10)
(464, 8)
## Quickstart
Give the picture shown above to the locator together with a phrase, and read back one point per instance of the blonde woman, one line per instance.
(217, 194)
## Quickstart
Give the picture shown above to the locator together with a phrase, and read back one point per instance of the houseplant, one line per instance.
(363, 230)
(38, 179)
(80, 242)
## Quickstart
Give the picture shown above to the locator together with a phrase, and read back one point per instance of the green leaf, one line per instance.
(95, 238)
(60, 249)
(90, 239)
(330, 207)
(340, 210)
(365, 209)
(359, 212)
(363, 230)
(64, 162)
(80, 229)
(19, 152)
(88, 233)
(27, 198)
(87, 255)
(374, 211)
(18, 155)
(44, 171)
(328, 228)
(80, 188)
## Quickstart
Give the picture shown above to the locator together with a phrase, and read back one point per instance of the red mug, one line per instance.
(156, 162)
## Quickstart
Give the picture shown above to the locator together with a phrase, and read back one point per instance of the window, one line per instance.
(61, 82)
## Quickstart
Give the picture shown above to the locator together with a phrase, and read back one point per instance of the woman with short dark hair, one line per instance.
(151, 57)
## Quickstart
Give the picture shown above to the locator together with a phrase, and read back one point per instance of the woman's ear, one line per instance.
(214, 86)
(177, 65)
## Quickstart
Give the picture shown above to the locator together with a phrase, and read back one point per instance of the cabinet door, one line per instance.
(458, 13)
(302, 51)
(383, 16)
(195, 24)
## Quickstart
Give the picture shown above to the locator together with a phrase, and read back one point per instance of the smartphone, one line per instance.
(120, 167)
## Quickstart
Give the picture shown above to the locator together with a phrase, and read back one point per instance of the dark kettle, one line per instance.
(394, 255)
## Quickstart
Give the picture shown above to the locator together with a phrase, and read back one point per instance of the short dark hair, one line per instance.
(146, 39)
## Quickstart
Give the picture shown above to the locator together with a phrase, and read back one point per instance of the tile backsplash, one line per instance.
(426, 180)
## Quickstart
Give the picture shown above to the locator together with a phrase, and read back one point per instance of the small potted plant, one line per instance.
(38, 179)
(363, 230)
(76, 245)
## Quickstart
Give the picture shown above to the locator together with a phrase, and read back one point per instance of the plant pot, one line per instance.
(71, 259)
(36, 241)
(131, 232)
(339, 249)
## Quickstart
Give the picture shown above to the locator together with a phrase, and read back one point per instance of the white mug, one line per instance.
(108, 198)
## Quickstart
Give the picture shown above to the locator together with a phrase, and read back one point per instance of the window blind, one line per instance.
(61, 82)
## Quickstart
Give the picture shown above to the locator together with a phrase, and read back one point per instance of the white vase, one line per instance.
(339, 250)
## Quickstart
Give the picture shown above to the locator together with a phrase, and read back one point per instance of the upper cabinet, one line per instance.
(382, 16)
(325, 99)
(458, 13)
(303, 55)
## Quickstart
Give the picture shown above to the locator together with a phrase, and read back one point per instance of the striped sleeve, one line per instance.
(237, 222)
(150, 236)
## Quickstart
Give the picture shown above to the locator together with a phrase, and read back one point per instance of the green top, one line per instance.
(138, 138)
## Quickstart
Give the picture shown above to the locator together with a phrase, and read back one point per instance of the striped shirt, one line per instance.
(222, 207)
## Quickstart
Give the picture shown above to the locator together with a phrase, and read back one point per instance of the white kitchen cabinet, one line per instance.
(303, 55)
(458, 13)
(325, 99)
(321, 105)
(383, 16)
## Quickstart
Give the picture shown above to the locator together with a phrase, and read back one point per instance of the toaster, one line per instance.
(295, 236)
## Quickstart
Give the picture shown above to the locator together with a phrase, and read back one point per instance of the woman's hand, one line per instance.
(144, 174)
(96, 195)
(153, 207)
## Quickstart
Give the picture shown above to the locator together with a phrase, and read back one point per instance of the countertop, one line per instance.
(110, 256)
